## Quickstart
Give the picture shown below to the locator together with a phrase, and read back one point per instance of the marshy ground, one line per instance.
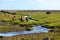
(48, 20)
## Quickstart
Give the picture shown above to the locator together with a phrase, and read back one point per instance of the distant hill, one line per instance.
(32, 10)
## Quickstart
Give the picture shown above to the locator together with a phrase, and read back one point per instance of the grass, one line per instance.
(11, 28)
(47, 20)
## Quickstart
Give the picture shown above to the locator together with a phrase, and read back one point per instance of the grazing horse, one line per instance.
(21, 19)
(13, 18)
(47, 12)
(26, 18)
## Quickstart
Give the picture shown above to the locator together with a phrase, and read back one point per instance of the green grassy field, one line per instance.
(47, 20)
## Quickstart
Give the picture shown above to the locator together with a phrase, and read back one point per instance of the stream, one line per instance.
(36, 29)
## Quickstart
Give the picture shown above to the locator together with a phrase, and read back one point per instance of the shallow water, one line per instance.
(36, 29)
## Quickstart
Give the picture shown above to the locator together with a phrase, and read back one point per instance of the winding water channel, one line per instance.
(36, 29)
